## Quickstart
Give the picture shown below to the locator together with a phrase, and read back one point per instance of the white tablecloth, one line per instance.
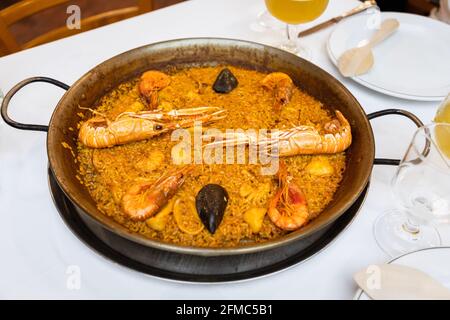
(38, 249)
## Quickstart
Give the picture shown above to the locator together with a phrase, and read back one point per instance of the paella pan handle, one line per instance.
(400, 112)
(14, 90)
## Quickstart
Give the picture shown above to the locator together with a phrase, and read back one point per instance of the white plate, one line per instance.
(414, 63)
(433, 261)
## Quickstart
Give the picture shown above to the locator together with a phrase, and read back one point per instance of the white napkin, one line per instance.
(392, 282)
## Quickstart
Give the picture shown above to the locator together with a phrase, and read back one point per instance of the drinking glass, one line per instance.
(443, 116)
(267, 21)
(294, 12)
(421, 187)
(443, 113)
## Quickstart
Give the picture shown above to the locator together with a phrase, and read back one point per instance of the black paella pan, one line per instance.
(199, 52)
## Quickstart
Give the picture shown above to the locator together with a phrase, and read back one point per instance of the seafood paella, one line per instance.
(171, 155)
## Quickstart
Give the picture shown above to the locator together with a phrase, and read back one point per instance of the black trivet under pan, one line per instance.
(192, 268)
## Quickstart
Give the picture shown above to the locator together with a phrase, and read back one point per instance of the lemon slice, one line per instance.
(186, 216)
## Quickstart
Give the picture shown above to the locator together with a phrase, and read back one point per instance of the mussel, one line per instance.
(211, 202)
(225, 82)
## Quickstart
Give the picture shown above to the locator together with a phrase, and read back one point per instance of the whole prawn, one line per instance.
(146, 198)
(100, 132)
(336, 137)
(288, 209)
(282, 87)
(150, 83)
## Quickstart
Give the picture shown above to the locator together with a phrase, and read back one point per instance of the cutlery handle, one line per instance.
(363, 6)
(319, 27)
(388, 27)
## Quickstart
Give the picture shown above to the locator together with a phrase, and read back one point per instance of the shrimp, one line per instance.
(281, 85)
(146, 198)
(150, 83)
(308, 140)
(336, 137)
(288, 209)
(100, 132)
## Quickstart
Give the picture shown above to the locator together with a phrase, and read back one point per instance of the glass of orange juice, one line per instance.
(294, 12)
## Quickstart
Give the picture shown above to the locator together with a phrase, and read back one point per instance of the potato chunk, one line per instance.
(320, 166)
(158, 222)
(245, 190)
(255, 217)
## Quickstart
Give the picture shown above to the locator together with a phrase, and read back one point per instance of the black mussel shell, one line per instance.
(211, 202)
(225, 82)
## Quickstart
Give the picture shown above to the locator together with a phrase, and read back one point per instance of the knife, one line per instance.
(363, 6)
(397, 282)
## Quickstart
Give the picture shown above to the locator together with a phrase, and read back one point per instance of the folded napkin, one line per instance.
(393, 282)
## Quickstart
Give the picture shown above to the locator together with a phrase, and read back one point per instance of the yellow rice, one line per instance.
(108, 173)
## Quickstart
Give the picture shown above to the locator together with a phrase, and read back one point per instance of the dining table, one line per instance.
(40, 254)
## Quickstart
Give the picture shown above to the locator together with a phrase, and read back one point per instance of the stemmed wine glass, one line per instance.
(294, 12)
(421, 187)
(267, 21)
